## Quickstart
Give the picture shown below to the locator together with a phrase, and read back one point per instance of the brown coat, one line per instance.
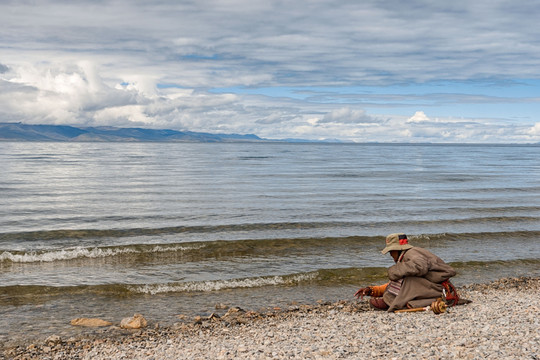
(422, 273)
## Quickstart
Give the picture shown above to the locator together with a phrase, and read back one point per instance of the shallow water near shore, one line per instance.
(109, 229)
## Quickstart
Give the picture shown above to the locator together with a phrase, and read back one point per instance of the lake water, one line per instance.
(109, 229)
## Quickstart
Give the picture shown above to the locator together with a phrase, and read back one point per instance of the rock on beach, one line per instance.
(502, 322)
(137, 321)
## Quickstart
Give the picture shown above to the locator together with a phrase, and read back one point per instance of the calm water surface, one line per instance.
(171, 228)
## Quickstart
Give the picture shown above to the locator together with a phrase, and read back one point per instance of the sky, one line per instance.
(360, 71)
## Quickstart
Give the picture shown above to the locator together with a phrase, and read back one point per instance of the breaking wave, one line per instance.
(216, 285)
(90, 253)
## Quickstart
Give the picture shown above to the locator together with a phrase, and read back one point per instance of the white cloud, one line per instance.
(535, 130)
(128, 115)
(418, 117)
(347, 115)
(60, 94)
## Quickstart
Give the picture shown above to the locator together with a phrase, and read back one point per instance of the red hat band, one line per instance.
(403, 240)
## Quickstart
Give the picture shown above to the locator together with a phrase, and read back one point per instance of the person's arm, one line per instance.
(375, 291)
(378, 291)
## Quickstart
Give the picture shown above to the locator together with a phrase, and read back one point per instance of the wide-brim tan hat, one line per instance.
(396, 241)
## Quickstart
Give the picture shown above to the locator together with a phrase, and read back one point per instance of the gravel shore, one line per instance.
(502, 322)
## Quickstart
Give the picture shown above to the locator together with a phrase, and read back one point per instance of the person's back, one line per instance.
(421, 274)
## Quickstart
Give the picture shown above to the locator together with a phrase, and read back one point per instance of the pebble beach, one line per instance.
(501, 322)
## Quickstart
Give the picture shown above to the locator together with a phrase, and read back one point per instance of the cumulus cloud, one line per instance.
(59, 95)
(78, 95)
(418, 117)
(535, 130)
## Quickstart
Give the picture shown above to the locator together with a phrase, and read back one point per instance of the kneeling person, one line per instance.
(416, 280)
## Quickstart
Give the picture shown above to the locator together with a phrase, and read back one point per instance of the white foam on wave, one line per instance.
(81, 252)
(216, 285)
(59, 255)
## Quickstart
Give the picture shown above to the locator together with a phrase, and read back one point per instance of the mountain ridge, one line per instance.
(67, 133)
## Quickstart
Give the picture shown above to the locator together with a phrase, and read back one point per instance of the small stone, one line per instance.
(137, 321)
(53, 339)
(234, 310)
(11, 352)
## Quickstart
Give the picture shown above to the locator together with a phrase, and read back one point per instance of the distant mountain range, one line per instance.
(24, 132)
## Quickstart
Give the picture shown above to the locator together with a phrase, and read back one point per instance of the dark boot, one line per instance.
(378, 303)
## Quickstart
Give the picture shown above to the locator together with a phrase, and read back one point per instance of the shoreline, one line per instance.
(501, 322)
